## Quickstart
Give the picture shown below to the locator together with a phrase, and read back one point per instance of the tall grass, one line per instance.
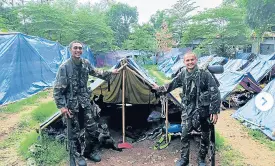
(43, 111)
(18, 106)
(263, 139)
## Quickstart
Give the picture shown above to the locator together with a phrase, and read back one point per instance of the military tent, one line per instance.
(254, 117)
(140, 100)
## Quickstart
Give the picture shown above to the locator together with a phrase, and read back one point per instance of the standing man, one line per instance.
(73, 99)
(201, 104)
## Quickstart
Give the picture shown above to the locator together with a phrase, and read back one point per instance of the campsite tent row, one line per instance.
(29, 64)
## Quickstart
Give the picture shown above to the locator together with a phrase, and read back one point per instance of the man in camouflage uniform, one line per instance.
(201, 104)
(73, 99)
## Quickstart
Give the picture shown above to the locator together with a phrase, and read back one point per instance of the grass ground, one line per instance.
(24, 134)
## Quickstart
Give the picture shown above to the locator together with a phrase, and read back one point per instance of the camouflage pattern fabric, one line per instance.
(70, 91)
(200, 98)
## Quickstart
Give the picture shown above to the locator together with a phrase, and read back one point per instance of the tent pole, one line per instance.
(166, 121)
(123, 105)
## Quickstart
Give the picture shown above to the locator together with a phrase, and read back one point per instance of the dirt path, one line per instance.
(142, 154)
(253, 152)
(9, 124)
(9, 121)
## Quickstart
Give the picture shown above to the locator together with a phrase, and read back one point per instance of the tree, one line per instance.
(180, 15)
(141, 39)
(121, 18)
(159, 17)
(164, 39)
(260, 15)
(92, 29)
(221, 28)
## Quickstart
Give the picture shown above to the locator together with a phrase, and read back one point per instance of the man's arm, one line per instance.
(59, 87)
(175, 83)
(215, 98)
(105, 75)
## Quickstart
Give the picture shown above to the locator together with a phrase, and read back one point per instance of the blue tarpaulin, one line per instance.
(28, 65)
(235, 64)
(259, 68)
(263, 120)
(229, 80)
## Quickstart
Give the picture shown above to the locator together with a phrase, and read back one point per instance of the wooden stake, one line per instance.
(166, 121)
(123, 105)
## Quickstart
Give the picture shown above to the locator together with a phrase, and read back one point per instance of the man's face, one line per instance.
(76, 50)
(190, 61)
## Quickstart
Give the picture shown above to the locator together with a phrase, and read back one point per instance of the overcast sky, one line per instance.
(148, 7)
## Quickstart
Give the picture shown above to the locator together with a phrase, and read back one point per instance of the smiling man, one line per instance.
(201, 104)
(72, 97)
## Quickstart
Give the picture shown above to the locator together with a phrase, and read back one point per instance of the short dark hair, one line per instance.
(75, 41)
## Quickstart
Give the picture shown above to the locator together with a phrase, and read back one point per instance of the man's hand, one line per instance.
(115, 71)
(155, 86)
(214, 118)
(66, 112)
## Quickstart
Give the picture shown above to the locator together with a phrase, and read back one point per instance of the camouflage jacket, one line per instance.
(209, 94)
(77, 76)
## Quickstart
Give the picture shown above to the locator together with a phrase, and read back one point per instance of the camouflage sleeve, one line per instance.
(59, 87)
(105, 75)
(175, 83)
(214, 92)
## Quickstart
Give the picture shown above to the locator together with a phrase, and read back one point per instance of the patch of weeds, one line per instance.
(219, 141)
(44, 111)
(13, 138)
(45, 151)
(228, 155)
(29, 139)
(262, 138)
(17, 106)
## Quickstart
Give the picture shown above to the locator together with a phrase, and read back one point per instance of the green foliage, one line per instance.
(260, 14)
(45, 150)
(43, 111)
(141, 39)
(17, 106)
(159, 17)
(121, 17)
(92, 29)
(223, 28)
(28, 140)
(180, 17)
(220, 142)
(259, 136)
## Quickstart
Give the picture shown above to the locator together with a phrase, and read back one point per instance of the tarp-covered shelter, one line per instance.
(28, 65)
(260, 68)
(140, 101)
(262, 120)
(229, 80)
(235, 64)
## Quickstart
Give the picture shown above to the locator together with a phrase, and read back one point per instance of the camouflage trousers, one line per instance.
(87, 132)
(193, 123)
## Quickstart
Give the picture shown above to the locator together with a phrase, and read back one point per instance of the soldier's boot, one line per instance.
(110, 142)
(182, 162)
(201, 161)
(94, 157)
(81, 161)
